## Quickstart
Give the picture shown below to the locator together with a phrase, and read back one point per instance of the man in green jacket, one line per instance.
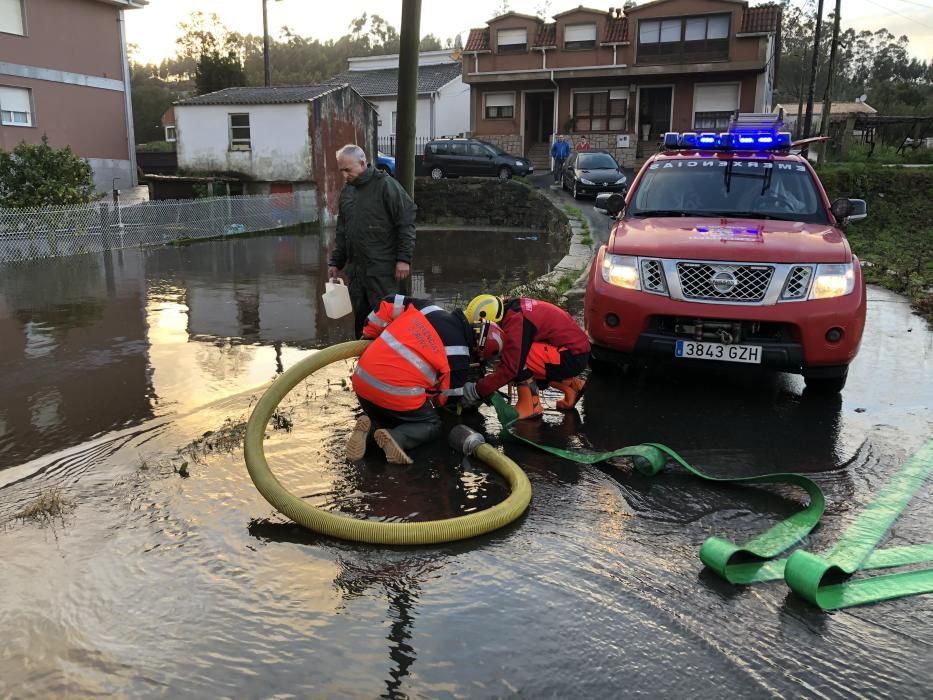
(375, 233)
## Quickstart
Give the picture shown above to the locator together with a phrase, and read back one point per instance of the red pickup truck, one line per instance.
(724, 254)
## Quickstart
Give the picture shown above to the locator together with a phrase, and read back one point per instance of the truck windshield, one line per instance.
(712, 187)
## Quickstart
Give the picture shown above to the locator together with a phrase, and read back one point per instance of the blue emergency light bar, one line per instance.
(747, 132)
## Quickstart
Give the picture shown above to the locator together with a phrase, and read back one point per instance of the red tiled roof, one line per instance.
(547, 35)
(478, 40)
(616, 30)
(764, 18)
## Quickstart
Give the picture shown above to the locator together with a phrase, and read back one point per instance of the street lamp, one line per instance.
(265, 43)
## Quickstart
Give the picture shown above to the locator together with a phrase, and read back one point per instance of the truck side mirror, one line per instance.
(615, 204)
(858, 210)
(846, 210)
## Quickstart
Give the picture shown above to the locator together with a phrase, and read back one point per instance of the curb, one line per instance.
(579, 257)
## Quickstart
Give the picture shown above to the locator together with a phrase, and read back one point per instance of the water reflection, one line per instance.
(93, 343)
(738, 424)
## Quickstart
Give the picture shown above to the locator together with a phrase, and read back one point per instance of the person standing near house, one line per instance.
(583, 144)
(560, 150)
(375, 233)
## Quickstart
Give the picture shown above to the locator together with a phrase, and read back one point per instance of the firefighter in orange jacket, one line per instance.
(542, 345)
(419, 357)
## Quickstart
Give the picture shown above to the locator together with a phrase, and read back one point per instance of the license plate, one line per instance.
(696, 350)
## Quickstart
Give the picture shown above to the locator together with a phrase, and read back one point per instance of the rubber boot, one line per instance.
(394, 453)
(528, 404)
(573, 390)
(356, 443)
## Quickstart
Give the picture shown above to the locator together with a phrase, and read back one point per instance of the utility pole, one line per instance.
(265, 44)
(407, 95)
(808, 120)
(827, 94)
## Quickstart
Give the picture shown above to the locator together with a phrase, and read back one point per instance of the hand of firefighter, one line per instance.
(471, 397)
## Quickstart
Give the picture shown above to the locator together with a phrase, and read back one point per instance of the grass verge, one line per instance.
(895, 242)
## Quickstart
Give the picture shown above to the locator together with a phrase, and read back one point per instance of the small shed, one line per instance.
(275, 139)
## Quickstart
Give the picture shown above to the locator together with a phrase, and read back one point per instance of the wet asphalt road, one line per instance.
(153, 585)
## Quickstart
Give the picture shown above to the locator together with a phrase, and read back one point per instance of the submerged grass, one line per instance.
(46, 508)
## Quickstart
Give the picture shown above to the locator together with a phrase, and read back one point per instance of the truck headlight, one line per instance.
(621, 270)
(834, 280)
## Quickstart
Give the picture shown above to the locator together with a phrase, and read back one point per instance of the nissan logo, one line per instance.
(723, 281)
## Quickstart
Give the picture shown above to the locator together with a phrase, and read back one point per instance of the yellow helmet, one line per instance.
(484, 307)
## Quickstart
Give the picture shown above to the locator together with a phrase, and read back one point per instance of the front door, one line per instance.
(539, 119)
(654, 112)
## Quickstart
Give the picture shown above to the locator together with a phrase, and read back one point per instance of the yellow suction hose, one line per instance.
(370, 531)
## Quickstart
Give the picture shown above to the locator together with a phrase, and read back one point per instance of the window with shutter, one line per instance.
(714, 105)
(13, 17)
(15, 106)
(512, 40)
(500, 105)
(580, 36)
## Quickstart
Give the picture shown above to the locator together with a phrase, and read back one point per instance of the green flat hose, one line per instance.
(370, 531)
(804, 572)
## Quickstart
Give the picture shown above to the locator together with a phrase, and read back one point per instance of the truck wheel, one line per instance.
(437, 174)
(826, 385)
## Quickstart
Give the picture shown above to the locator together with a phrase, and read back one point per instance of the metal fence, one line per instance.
(46, 232)
(386, 144)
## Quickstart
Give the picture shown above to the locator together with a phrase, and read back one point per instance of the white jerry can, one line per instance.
(336, 298)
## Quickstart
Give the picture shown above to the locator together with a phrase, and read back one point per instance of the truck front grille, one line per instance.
(724, 281)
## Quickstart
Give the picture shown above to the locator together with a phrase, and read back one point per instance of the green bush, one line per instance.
(896, 240)
(858, 153)
(37, 175)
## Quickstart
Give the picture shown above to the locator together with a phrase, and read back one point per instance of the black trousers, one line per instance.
(570, 366)
(408, 428)
(365, 295)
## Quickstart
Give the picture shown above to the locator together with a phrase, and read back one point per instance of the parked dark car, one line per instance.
(472, 158)
(592, 172)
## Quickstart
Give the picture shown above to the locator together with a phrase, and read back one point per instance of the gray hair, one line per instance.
(351, 150)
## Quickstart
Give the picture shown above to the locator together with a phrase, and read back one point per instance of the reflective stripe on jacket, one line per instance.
(452, 327)
(405, 365)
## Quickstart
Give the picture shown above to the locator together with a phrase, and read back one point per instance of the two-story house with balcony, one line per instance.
(623, 79)
(64, 74)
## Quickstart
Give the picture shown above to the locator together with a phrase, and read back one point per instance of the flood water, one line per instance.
(113, 369)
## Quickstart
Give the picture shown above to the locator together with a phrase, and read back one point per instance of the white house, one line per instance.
(838, 111)
(443, 107)
(275, 139)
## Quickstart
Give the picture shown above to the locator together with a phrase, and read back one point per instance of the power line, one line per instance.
(918, 4)
(912, 19)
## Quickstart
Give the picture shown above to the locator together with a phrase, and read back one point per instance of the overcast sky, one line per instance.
(155, 27)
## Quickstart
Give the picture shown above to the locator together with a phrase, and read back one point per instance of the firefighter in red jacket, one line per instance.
(541, 346)
(419, 357)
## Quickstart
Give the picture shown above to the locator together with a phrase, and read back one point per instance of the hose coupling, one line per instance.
(465, 439)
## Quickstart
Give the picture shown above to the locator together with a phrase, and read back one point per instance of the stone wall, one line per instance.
(486, 202)
(510, 143)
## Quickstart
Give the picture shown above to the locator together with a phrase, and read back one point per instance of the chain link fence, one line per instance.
(26, 234)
